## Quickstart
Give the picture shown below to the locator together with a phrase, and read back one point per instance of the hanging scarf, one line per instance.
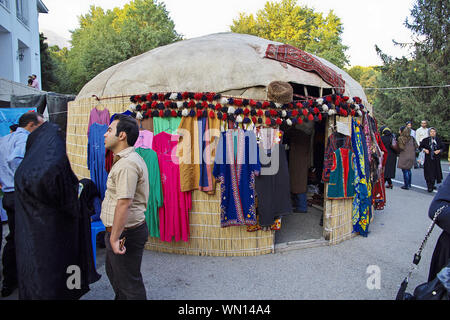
(362, 200)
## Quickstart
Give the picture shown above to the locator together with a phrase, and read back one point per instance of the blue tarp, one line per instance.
(10, 116)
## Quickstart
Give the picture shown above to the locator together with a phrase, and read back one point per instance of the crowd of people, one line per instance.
(420, 148)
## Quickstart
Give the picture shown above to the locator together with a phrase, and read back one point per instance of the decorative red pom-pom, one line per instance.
(185, 95)
(294, 113)
(344, 112)
(238, 102)
(174, 113)
(260, 113)
(199, 114)
(273, 113)
(266, 104)
(346, 98)
(144, 107)
(316, 110)
(329, 99)
(149, 97)
(210, 96)
(268, 121)
(279, 121)
(353, 113)
(320, 117)
(337, 101)
(291, 106)
(191, 104)
(299, 105)
(299, 120)
(246, 111)
(212, 114)
(167, 104)
(161, 113)
(305, 112)
(310, 103)
(310, 117)
(252, 103)
(198, 96)
(205, 104)
(149, 113)
(218, 106)
(254, 120)
(161, 97)
(225, 116)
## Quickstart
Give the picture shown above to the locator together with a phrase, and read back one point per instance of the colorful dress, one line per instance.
(145, 140)
(174, 214)
(236, 165)
(342, 176)
(98, 116)
(362, 202)
(96, 157)
(168, 125)
(155, 199)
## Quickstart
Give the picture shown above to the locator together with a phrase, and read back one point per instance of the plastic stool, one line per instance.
(96, 227)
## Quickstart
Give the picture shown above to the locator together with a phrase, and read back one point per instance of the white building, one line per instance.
(19, 39)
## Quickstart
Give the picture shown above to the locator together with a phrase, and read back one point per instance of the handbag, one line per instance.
(432, 290)
(394, 145)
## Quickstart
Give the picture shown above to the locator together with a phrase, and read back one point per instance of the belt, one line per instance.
(109, 229)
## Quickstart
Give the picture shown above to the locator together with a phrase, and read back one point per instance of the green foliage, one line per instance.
(48, 67)
(105, 38)
(367, 77)
(428, 67)
(298, 26)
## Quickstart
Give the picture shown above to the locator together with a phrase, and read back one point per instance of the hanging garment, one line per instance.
(174, 214)
(342, 176)
(379, 189)
(335, 141)
(362, 201)
(51, 230)
(98, 116)
(169, 125)
(155, 199)
(209, 134)
(126, 113)
(272, 188)
(145, 140)
(299, 160)
(96, 157)
(236, 166)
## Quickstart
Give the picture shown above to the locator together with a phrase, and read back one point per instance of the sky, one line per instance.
(365, 22)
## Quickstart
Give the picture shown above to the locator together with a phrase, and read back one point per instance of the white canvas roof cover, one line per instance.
(220, 62)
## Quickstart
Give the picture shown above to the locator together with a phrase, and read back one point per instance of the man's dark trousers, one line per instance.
(124, 271)
(9, 251)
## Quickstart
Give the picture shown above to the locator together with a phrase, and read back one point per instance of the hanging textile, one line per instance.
(379, 189)
(169, 125)
(335, 141)
(98, 116)
(362, 202)
(155, 199)
(305, 61)
(236, 166)
(145, 140)
(174, 214)
(342, 176)
(96, 157)
(272, 187)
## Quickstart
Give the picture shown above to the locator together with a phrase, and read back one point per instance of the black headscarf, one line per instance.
(50, 227)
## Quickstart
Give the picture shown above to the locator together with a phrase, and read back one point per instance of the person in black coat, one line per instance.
(53, 247)
(388, 139)
(441, 254)
(433, 148)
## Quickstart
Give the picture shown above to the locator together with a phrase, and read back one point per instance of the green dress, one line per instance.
(169, 125)
(155, 199)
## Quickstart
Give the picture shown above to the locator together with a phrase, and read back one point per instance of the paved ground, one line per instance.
(417, 178)
(330, 272)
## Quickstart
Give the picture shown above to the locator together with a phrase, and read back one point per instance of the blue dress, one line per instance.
(96, 156)
(235, 166)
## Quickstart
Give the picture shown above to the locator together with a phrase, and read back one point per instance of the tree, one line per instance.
(48, 68)
(367, 77)
(298, 26)
(428, 66)
(105, 38)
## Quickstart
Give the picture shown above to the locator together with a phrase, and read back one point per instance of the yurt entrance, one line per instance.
(306, 143)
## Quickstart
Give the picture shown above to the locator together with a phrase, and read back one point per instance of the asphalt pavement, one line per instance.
(348, 271)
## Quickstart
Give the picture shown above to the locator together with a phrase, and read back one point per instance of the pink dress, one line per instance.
(174, 214)
(145, 140)
(98, 116)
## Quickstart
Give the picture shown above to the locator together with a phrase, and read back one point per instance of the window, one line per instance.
(21, 11)
(5, 3)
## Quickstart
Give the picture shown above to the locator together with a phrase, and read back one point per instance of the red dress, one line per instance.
(174, 214)
(379, 190)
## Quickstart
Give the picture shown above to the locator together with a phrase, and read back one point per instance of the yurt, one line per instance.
(221, 81)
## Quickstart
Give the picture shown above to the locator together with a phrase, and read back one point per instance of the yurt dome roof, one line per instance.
(220, 62)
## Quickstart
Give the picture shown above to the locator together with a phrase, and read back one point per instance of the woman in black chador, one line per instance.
(53, 249)
(433, 148)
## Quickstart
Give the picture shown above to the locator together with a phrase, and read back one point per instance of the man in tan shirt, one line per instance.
(123, 211)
